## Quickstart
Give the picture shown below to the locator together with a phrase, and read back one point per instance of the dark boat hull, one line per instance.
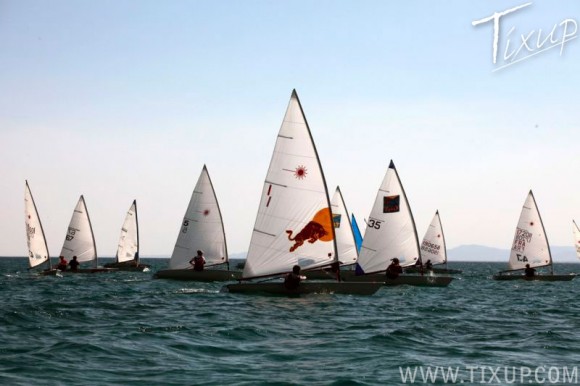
(414, 280)
(89, 270)
(128, 267)
(445, 271)
(304, 288)
(205, 275)
(534, 278)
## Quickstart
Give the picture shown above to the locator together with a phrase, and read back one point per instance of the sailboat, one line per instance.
(37, 246)
(433, 249)
(530, 246)
(345, 238)
(294, 221)
(127, 258)
(576, 231)
(80, 240)
(391, 233)
(202, 229)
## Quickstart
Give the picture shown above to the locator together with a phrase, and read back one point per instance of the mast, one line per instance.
(295, 95)
(137, 227)
(91, 229)
(392, 165)
(544, 231)
(221, 217)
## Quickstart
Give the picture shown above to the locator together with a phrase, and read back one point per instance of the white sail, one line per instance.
(128, 248)
(201, 229)
(530, 245)
(79, 240)
(345, 242)
(576, 239)
(294, 224)
(433, 245)
(37, 247)
(390, 230)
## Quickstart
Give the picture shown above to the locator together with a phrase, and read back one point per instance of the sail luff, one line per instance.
(295, 94)
(443, 237)
(418, 247)
(91, 229)
(137, 257)
(220, 216)
(544, 231)
(576, 232)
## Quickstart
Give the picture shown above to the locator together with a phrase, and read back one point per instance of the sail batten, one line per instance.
(294, 221)
(128, 248)
(35, 238)
(80, 240)
(530, 244)
(433, 245)
(390, 231)
(201, 228)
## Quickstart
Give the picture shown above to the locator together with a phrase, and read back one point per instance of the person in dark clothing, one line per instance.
(529, 271)
(198, 261)
(394, 269)
(74, 264)
(292, 280)
(428, 265)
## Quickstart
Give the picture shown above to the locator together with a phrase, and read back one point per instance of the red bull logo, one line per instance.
(319, 228)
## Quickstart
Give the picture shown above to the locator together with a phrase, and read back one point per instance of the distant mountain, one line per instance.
(482, 253)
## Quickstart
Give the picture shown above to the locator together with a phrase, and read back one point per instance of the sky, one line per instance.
(124, 99)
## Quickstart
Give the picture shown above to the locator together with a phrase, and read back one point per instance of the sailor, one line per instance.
(292, 280)
(62, 263)
(529, 271)
(394, 269)
(198, 261)
(74, 264)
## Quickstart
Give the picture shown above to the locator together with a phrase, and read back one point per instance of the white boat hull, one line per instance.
(89, 270)
(205, 275)
(304, 288)
(445, 271)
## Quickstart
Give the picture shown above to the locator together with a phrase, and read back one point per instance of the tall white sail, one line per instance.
(37, 247)
(201, 229)
(433, 246)
(390, 230)
(79, 240)
(294, 224)
(128, 248)
(530, 245)
(576, 239)
(345, 242)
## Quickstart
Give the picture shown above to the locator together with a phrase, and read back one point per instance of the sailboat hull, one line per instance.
(205, 275)
(129, 267)
(445, 271)
(421, 281)
(534, 278)
(89, 270)
(304, 288)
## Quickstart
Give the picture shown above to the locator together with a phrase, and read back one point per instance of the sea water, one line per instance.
(127, 328)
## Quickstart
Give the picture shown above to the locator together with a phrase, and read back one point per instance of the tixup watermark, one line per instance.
(518, 47)
(489, 375)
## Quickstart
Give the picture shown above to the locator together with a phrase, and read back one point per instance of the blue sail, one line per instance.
(357, 236)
